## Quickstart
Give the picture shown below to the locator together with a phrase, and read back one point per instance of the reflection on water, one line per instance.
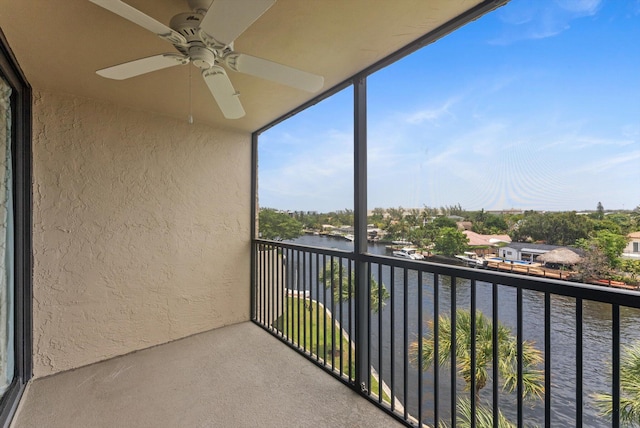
(388, 341)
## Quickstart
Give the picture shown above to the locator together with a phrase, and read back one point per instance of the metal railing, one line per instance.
(538, 352)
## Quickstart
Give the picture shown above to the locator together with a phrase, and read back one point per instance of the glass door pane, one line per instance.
(6, 243)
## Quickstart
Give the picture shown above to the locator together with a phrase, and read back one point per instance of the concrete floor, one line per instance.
(237, 376)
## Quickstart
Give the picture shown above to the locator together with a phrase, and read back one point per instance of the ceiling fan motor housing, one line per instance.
(187, 24)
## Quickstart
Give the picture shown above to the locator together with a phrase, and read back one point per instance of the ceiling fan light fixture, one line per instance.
(202, 57)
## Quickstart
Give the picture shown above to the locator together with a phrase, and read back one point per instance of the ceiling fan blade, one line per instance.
(227, 19)
(142, 66)
(134, 15)
(223, 92)
(275, 72)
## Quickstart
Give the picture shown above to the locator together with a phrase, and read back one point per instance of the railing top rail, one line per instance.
(547, 285)
(597, 293)
(308, 248)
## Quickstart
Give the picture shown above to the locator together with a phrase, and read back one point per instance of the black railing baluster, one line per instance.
(303, 296)
(332, 310)
(615, 387)
(380, 368)
(520, 388)
(288, 321)
(350, 286)
(324, 310)
(436, 349)
(579, 362)
(297, 293)
(547, 359)
(270, 294)
(278, 292)
(392, 338)
(321, 272)
(473, 353)
(368, 282)
(340, 305)
(263, 297)
(454, 366)
(405, 330)
(495, 354)
(420, 273)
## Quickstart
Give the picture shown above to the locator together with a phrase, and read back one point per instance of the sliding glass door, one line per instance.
(7, 320)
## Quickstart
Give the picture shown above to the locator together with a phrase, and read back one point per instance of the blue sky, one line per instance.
(534, 106)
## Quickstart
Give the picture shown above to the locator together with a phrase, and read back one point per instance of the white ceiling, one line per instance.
(60, 43)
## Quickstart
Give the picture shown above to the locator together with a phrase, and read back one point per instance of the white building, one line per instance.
(632, 250)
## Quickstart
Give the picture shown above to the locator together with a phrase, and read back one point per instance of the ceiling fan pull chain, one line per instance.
(190, 103)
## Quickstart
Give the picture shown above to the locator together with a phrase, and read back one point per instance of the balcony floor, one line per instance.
(236, 376)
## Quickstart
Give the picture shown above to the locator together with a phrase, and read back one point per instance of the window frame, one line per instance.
(21, 132)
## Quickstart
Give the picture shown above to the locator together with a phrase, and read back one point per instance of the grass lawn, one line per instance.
(316, 333)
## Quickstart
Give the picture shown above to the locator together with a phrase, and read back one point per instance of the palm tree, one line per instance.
(332, 275)
(629, 389)
(484, 416)
(532, 377)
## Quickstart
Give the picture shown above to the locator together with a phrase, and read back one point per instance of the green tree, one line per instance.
(629, 389)
(450, 242)
(607, 224)
(561, 228)
(278, 226)
(635, 216)
(413, 218)
(532, 376)
(377, 215)
(428, 212)
(594, 264)
(444, 222)
(488, 223)
(334, 272)
(396, 213)
(632, 268)
(484, 416)
(599, 211)
(611, 245)
(623, 220)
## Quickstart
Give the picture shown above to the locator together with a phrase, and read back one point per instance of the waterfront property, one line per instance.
(632, 250)
(139, 293)
(520, 251)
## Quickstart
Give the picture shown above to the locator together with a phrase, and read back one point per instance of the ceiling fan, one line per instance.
(205, 38)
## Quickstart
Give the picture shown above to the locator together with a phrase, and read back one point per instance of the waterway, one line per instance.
(597, 342)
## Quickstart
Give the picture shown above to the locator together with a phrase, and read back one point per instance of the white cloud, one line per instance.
(434, 113)
(616, 161)
(580, 7)
(315, 170)
(535, 19)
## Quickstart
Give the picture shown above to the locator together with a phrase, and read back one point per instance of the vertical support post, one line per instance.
(360, 231)
(254, 220)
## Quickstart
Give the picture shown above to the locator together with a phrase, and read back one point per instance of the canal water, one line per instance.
(597, 342)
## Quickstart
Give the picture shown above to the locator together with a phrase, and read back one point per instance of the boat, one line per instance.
(471, 259)
(408, 253)
(401, 242)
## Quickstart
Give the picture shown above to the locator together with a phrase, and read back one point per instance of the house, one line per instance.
(479, 240)
(485, 244)
(632, 250)
(141, 294)
(526, 251)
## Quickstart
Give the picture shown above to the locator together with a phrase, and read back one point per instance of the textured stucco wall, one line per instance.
(141, 230)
